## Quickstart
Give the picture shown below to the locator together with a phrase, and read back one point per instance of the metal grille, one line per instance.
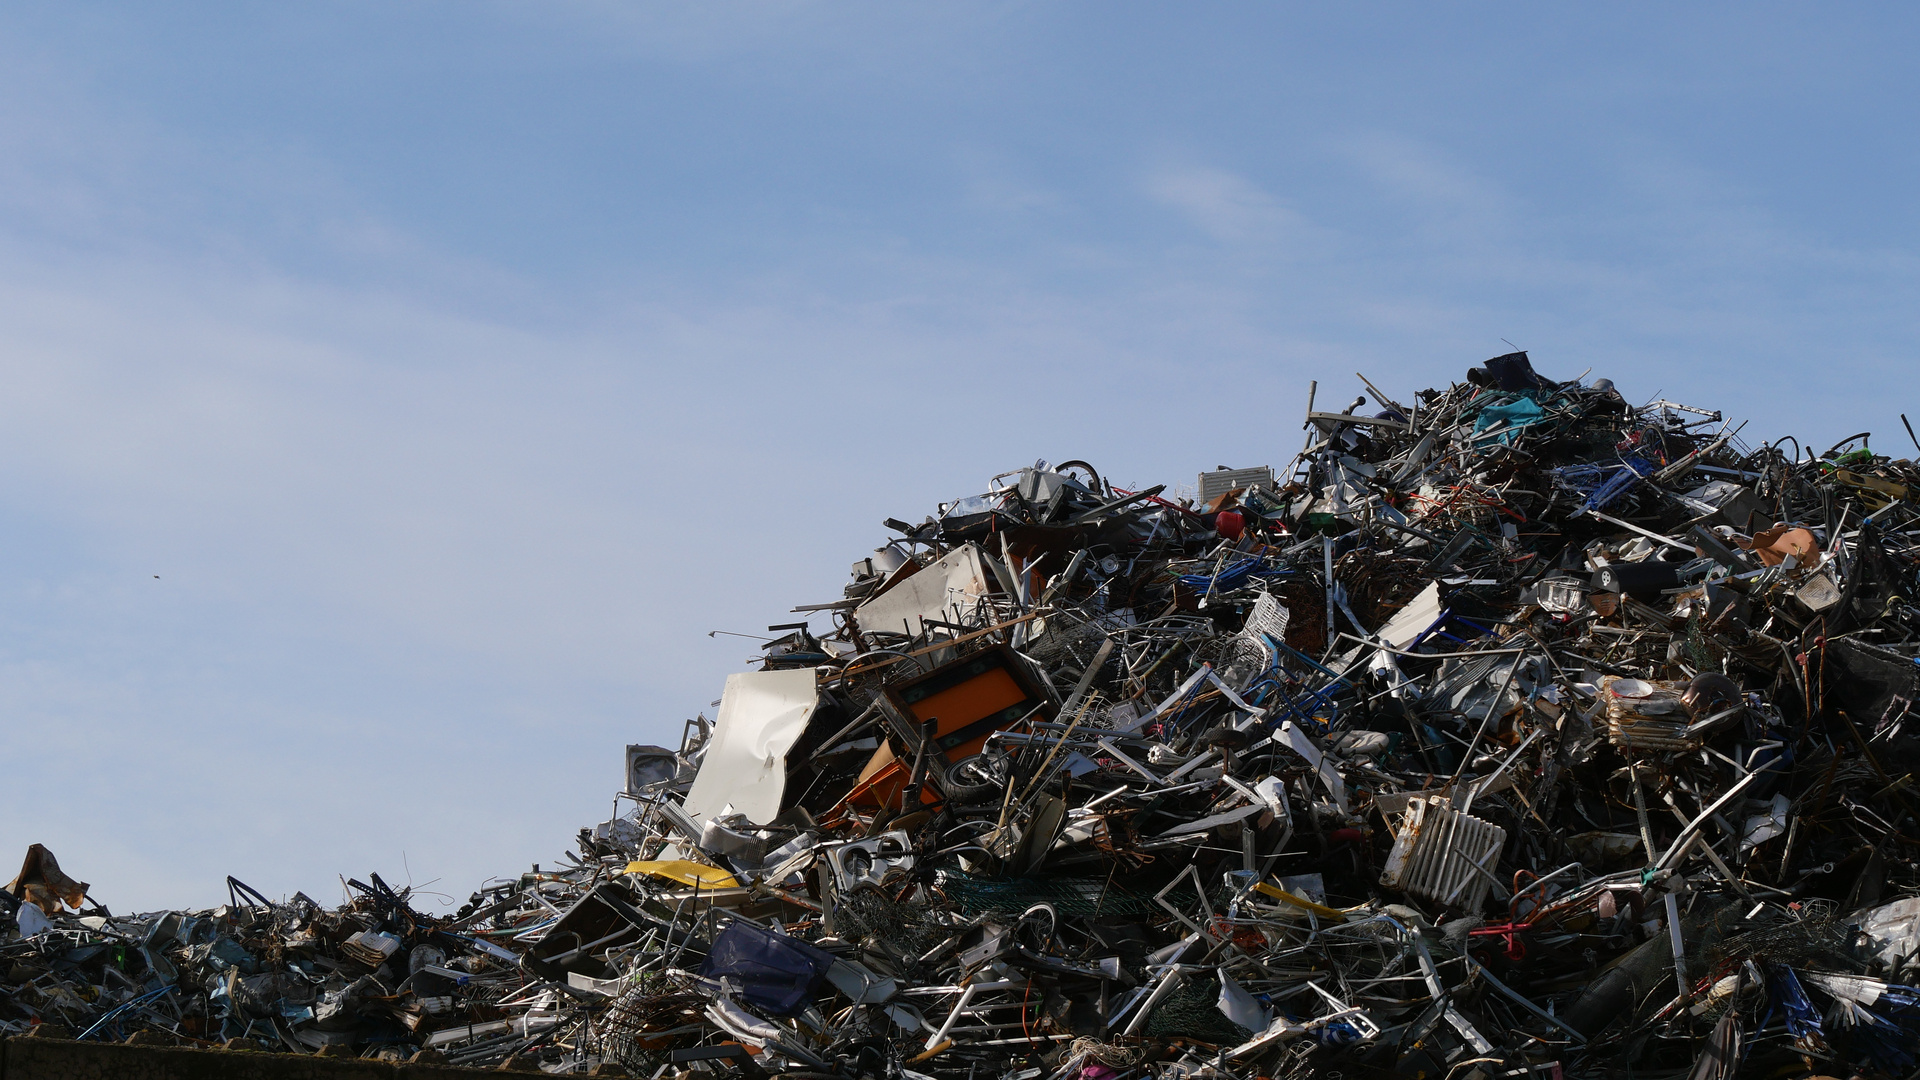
(1443, 856)
(645, 1021)
(1220, 481)
(1085, 897)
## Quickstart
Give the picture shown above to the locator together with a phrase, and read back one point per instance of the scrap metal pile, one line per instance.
(1511, 730)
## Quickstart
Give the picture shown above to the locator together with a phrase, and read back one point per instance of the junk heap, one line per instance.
(1513, 730)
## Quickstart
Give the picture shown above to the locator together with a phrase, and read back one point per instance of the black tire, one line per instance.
(975, 780)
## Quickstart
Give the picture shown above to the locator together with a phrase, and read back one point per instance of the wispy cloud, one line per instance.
(1224, 205)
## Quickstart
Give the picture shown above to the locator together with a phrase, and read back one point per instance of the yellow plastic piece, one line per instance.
(1281, 894)
(686, 873)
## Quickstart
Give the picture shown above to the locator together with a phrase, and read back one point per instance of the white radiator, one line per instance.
(1435, 851)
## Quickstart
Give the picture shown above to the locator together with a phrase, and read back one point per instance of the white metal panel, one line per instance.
(948, 588)
(762, 714)
(1220, 481)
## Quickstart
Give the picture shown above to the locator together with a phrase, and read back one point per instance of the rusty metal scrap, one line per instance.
(1511, 731)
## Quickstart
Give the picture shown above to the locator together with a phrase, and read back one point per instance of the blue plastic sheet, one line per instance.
(1783, 986)
(1888, 1033)
(776, 974)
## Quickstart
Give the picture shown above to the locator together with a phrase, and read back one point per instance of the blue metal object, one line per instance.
(111, 1019)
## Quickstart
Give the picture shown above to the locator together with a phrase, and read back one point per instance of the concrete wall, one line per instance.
(34, 1058)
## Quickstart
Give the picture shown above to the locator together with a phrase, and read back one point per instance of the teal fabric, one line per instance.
(1519, 413)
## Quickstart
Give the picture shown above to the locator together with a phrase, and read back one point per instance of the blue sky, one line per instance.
(396, 394)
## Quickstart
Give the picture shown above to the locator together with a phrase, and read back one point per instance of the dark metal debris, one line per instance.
(1513, 730)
